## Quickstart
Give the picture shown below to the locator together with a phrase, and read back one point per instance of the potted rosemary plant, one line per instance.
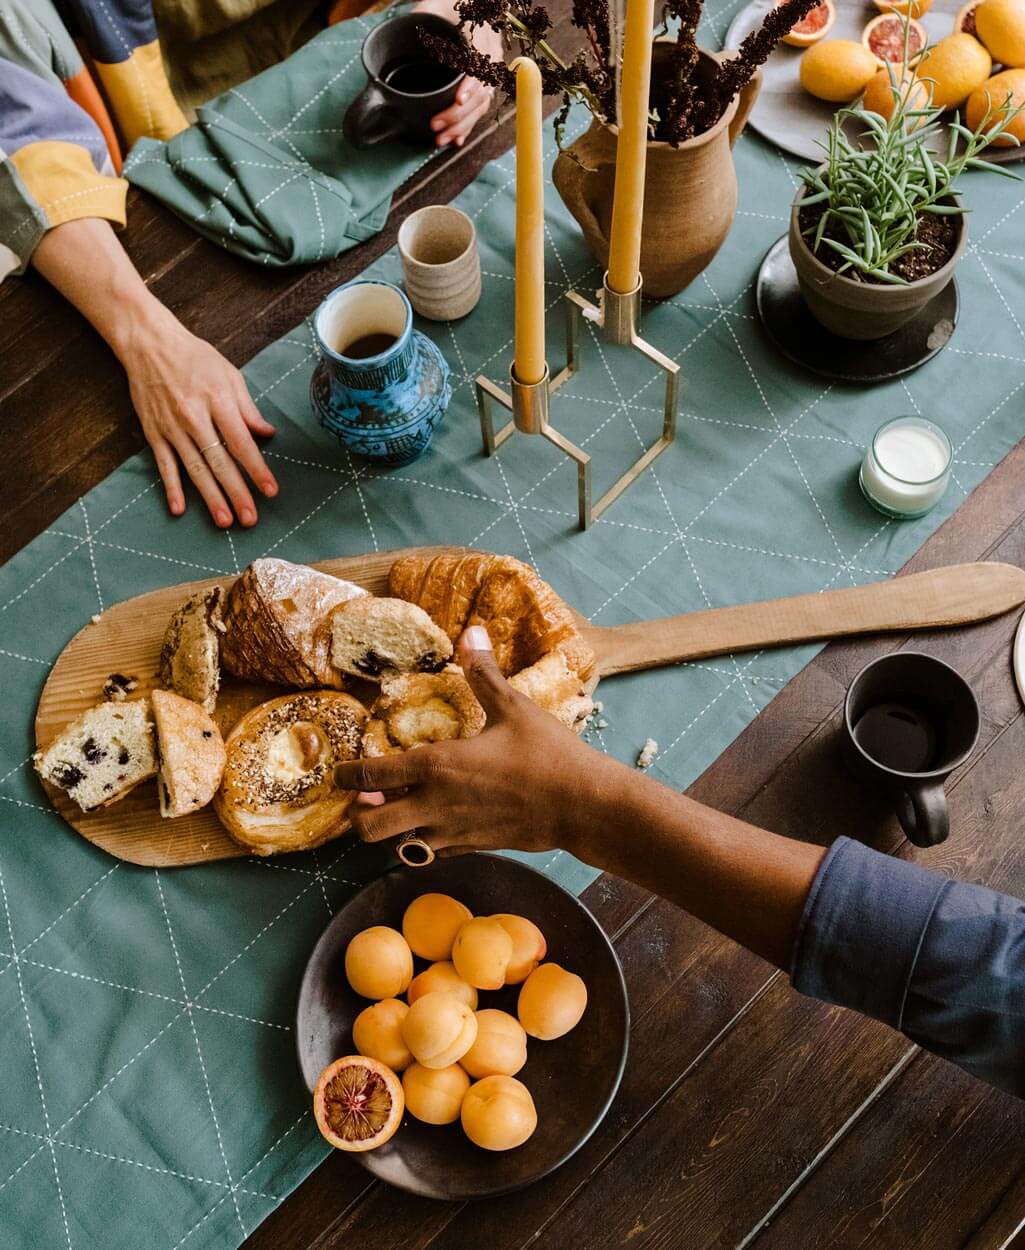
(877, 230)
(699, 104)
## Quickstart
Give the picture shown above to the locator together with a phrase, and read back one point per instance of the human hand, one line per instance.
(473, 98)
(526, 782)
(193, 406)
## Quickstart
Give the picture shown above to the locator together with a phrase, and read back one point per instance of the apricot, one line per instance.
(500, 1048)
(439, 1029)
(430, 925)
(379, 963)
(442, 978)
(498, 1113)
(551, 1002)
(435, 1095)
(377, 1033)
(481, 953)
(529, 947)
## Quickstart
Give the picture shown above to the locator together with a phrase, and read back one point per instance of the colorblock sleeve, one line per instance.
(55, 165)
(942, 961)
(121, 36)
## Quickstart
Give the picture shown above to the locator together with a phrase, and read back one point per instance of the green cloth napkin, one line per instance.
(150, 1096)
(266, 171)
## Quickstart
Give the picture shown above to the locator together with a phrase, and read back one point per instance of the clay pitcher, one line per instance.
(690, 192)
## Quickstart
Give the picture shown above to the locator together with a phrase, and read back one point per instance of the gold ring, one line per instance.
(210, 447)
(414, 852)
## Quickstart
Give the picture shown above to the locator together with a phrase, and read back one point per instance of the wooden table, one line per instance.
(748, 1115)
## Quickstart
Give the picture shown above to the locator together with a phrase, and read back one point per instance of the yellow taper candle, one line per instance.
(529, 352)
(632, 148)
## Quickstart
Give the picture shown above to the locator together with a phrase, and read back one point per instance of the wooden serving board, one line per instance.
(127, 639)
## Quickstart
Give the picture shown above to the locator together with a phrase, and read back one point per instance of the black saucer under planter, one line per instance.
(864, 310)
(794, 332)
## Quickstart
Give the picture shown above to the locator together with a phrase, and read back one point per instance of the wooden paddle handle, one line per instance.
(955, 595)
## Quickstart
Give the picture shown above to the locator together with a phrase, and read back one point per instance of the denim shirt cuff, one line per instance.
(862, 928)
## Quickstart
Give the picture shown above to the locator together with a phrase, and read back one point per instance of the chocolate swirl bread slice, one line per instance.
(381, 638)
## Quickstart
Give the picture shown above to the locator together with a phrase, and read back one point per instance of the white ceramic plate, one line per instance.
(785, 113)
(1018, 656)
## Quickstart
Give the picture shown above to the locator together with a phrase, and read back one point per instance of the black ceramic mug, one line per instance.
(407, 85)
(909, 721)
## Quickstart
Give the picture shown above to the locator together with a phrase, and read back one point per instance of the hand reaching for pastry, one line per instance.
(525, 782)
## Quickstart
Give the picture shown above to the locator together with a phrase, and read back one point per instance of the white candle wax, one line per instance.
(906, 467)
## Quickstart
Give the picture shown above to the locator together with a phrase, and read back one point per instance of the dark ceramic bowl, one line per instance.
(573, 1079)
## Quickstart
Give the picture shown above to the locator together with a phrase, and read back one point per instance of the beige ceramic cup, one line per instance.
(440, 262)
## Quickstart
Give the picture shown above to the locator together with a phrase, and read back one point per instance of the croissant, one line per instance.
(524, 617)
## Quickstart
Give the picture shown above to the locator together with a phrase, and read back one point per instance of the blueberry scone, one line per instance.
(381, 638)
(98, 758)
(190, 754)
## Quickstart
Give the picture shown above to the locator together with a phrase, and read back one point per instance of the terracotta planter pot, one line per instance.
(863, 310)
(690, 192)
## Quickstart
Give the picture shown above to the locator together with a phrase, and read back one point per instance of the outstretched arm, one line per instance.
(527, 782)
(943, 961)
(193, 404)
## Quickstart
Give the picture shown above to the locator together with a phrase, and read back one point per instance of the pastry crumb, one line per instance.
(602, 723)
(599, 706)
(95, 618)
(647, 754)
(118, 687)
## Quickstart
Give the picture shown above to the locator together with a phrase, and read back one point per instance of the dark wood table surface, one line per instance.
(748, 1114)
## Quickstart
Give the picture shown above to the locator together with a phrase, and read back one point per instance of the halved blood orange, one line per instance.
(812, 27)
(964, 23)
(358, 1103)
(918, 7)
(884, 38)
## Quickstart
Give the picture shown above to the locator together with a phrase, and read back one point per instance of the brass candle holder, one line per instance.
(616, 315)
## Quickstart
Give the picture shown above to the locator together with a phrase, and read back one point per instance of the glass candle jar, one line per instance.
(906, 467)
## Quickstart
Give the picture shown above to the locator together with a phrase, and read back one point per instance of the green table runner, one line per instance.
(266, 171)
(150, 1097)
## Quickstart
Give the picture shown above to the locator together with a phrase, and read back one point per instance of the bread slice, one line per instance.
(379, 638)
(277, 624)
(98, 758)
(190, 657)
(418, 708)
(190, 754)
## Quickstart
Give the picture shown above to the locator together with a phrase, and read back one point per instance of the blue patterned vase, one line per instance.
(384, 399)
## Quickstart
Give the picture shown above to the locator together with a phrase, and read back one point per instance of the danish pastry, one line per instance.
(98, 758)
(278, 792)
(553, 685)
(418, 708)
(379, 638)
(190, 754)
(190, 657)
(524, 617)
(278, 629)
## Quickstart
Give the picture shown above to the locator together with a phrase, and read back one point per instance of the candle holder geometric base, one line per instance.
(616, 315)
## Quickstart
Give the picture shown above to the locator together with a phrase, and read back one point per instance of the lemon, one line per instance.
(1001, 27)
(879, 95)
(837, 70)
(986, 101)
(955, 67)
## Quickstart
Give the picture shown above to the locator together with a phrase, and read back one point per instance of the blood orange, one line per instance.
(812, 27)
(358, 1103)
(964, 23)
(884, 38)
